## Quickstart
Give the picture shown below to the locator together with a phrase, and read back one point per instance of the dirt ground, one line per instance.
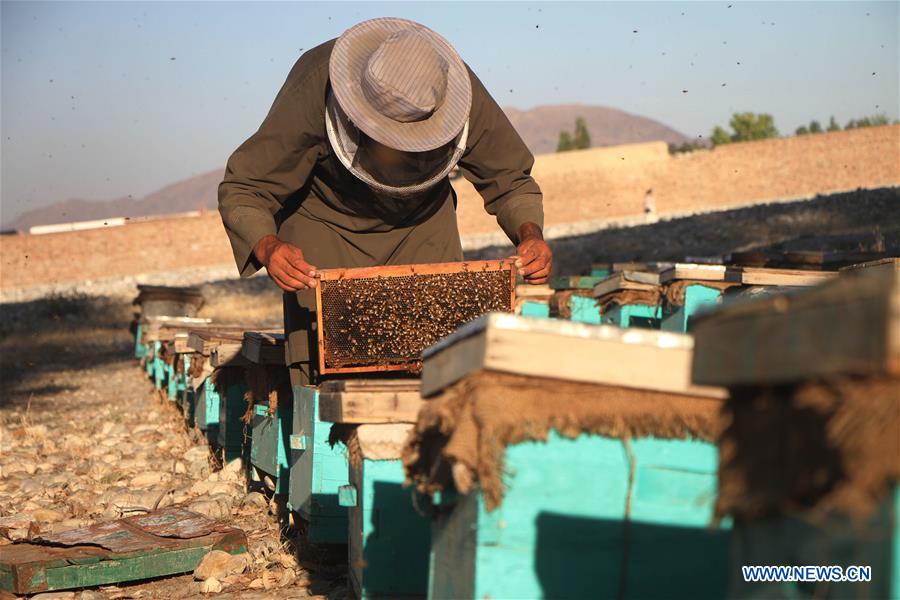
(84, 437)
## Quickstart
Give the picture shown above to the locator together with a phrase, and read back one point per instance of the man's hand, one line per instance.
(535, 259)
(285, 264)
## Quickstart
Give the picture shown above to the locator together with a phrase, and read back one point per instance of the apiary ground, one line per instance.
(84, 438)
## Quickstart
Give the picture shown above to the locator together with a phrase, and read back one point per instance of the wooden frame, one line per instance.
(370, 401)
(483, 266)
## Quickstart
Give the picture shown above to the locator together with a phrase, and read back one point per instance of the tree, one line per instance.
(582, 139)
(746, 126)
(751, 126)
(813, 127)
(565, 142)
(873, 121)
(685, 147)
(719, 136)
(833, 124)
(579, 141)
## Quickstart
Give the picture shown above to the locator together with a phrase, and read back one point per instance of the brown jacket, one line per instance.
(286, 180)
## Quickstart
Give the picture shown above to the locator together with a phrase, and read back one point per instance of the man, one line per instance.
(350, 169)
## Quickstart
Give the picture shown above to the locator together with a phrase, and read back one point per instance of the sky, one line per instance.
(107, 99)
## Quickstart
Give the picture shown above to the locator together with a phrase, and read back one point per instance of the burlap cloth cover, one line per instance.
(461, 435)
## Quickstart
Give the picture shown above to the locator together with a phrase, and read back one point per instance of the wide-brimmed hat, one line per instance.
(401, 84)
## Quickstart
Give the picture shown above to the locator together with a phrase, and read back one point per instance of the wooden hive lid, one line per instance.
(848, 325)
(631, 358)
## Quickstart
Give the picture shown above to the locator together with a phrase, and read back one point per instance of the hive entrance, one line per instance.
(381, 318)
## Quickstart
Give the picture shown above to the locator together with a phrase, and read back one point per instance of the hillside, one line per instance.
(539, 127)
(195, 193)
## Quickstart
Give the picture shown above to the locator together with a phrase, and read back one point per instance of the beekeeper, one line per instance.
(350, 169)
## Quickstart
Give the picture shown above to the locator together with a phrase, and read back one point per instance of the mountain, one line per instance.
(539, 128)
(194, 193)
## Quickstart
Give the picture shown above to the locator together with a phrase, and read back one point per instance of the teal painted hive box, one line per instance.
(531, 308)
(630, 299)
(813, 435)
(147, 362)
(227, 390)
(575, 305)
(270, 446)
(633, 315)
(317, 470)
(140, 349)
(188, 404)
(159, 367)
(271, 424)
(204, 413)
(696, 297)
(220, 411)
(618, 505)
(577, 522)
(690, 288)
(175, 380)
(207, 415)
(389, 532)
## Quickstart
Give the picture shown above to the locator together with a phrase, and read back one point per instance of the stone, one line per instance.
(219, 564)
(45, 515)
(270, 579)
(148, 478)
(210, 508)
(198, 469)
(197, 453)
(255, 584)
(287, 578)
(232, 471)
(21, 466)
(92, 595)
(38, 431)
(254, 501)
(210, 586)
(285, 560)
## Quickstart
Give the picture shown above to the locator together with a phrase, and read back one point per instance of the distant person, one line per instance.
(650, 207)
(350, 169)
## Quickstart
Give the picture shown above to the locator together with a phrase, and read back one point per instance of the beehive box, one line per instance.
(591, 475)
(389, 532)
(811, 452)
(157, 300)
(381, 318)
(317, 471)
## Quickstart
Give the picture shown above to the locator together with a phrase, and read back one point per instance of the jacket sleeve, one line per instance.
(276, 161)
(498, 163)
